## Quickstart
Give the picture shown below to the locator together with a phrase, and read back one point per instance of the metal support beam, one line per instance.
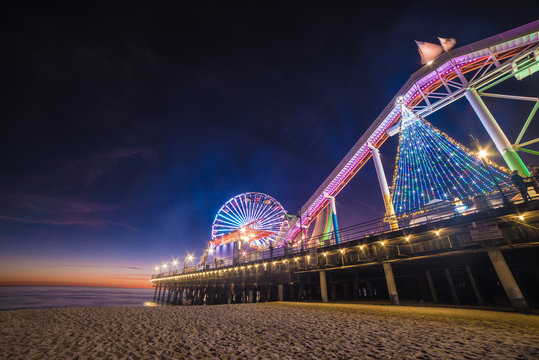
(510, 97)
(508, 281)
(528, 120)
(390, 212)
(431, 287)
(529, 151)
(391, 286)
(474, 285)
(334, 218)
(451, 287)
(528, 143)
(323, 286)
(496, 134)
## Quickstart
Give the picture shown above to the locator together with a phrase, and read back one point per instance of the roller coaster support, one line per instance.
(496, 133)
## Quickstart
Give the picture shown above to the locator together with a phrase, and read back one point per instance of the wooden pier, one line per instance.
(460, 260)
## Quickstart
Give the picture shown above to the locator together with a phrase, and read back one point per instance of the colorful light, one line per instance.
(432, 166)
(248, 212)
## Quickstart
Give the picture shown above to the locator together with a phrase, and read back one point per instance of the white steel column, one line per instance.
(390, 212)
(495, 132)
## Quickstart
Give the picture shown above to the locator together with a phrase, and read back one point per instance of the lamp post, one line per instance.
(163, 267)
(482, 156)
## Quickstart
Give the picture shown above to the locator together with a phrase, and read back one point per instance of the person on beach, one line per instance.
(519, 183)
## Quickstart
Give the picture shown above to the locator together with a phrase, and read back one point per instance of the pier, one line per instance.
(458, 228)
(445, 260)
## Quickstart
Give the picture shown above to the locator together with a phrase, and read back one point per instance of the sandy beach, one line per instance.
(268, 331)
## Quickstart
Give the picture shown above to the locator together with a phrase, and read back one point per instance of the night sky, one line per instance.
(126, 127)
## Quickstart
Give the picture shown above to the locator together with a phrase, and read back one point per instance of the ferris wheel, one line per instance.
(254, 216)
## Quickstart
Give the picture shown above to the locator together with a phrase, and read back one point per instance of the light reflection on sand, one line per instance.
(150, 303)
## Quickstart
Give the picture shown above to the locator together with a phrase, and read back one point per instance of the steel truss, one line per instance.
(480, 65)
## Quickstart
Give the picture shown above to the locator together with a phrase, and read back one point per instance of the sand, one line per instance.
(267, 331)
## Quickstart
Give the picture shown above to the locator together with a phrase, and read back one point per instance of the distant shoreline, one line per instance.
(43, 297)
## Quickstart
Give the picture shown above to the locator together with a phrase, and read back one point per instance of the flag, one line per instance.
(428, 51)
(447, 43)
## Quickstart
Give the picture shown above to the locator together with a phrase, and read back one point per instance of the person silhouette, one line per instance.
(519, 183)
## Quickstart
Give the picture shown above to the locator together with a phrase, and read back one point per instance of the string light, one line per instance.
(407, 238)
(431, 165)
(521, 217)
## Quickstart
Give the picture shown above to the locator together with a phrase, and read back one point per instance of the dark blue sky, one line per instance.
(126, 127)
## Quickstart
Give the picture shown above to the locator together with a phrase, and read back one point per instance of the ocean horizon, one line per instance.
(40, 297)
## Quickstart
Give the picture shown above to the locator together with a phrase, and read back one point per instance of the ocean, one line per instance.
(38, 297)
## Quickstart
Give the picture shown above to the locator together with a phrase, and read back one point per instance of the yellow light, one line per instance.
(437, 232)
(164, 266)
(482, 153)
(408, 238)
(242, 230)
(296, 259)
(361, 247)
(244, 253)
(265, 265)
(383, 243)
(429, 62)
(521, 217)
(275, 262)
(308, 256)
(342, 251)
(175, 262)
(325, 254)
(284, 261)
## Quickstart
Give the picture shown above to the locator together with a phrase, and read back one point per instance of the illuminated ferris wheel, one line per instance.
(255, 217)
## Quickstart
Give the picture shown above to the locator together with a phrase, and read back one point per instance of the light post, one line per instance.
(164, 267)
(482, 156)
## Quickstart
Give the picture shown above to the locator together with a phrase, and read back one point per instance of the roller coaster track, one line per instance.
(480, 65)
